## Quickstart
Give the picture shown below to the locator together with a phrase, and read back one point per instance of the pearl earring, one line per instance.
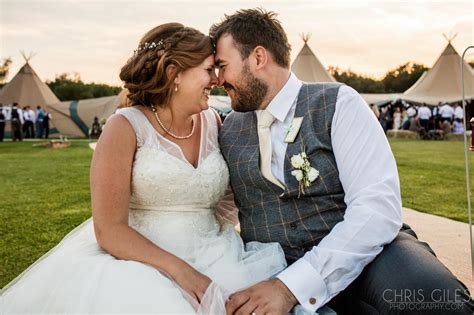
(176, 88)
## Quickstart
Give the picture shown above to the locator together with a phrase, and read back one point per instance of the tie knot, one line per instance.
(265, 119)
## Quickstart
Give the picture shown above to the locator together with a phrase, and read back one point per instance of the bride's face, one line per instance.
(194, 86)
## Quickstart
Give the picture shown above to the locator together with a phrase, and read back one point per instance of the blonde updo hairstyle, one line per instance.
(150, 73)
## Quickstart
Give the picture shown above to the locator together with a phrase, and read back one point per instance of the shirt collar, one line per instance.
(285, 98)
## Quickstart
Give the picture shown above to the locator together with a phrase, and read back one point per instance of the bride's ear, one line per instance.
(172, 71)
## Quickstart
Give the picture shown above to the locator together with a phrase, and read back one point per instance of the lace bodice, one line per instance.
(162, 178)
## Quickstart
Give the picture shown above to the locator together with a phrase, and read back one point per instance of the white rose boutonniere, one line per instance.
(303, 172)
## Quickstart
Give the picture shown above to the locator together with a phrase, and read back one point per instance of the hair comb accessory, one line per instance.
(148, 46)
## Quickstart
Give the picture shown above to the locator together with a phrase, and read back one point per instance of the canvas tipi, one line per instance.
(26, 88)
(442, 83)
(307, 66)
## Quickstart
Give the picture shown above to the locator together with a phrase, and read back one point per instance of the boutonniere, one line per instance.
(303, 172)
(292, 131)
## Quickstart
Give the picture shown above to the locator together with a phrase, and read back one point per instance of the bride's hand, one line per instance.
(191, 281)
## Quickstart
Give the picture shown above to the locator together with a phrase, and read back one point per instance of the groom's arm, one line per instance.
(369, 176)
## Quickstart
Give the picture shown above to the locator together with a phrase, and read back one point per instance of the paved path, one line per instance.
(448, 238)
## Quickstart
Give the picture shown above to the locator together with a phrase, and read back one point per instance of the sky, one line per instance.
(95, 38)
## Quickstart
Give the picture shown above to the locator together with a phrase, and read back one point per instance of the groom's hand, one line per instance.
(266, 297)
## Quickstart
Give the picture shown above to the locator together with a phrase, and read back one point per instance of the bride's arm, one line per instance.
(226, 210)
(110, 191)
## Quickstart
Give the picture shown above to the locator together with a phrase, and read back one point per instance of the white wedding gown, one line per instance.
(173, 205)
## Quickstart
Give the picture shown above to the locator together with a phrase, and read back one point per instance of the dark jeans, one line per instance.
(405, 278)
(2, 130)
(28, 129)
(39, 129)
(425, 123)
(16, 130)
(46, 129)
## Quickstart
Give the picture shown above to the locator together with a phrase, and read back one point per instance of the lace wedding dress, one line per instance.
(173, 205)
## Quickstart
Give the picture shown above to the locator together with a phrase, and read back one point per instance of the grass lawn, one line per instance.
(433, 176)
(45, 192)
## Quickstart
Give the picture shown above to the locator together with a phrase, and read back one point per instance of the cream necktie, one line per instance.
(265, 120)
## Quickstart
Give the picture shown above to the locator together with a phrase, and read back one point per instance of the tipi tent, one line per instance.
(75, 118)
(442, 83)
(26, 88)
(307, 66)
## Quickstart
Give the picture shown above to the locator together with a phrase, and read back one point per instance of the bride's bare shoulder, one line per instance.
(118, 134)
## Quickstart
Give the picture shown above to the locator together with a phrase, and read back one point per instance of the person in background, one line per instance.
(424, 114)
(31, 123)
(458, 127)
(385, 118)
(411, 111)
(405, 120)
(16, 123)
(39, 122)
(2, 122)
(96, 129)
(436, 116)
(46, 119)
(446, 126)
(447, 113)
(28, 126)
(458, 112)
(26, 118)
(397, 119)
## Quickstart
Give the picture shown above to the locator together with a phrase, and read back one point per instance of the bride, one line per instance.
(157, 179)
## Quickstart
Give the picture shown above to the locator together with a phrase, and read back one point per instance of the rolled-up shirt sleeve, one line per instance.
(369, 176)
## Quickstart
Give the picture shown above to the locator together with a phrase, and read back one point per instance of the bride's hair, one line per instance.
(162, 53)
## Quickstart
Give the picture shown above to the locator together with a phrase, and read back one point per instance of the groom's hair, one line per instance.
(255, 27)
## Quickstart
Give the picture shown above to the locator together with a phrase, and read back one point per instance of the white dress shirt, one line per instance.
(459, 113)
(369, 177)
(411, 111)
(446, 111)
(26, 115)
(32, 115)
(424, 113)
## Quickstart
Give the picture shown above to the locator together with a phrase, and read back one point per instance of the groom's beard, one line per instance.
(249, 95)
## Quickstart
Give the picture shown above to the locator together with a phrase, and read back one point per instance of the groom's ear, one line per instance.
(261, 57)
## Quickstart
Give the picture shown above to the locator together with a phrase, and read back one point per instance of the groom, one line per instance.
(312, 169)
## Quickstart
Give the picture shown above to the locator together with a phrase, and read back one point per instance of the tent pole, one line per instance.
(468, 189)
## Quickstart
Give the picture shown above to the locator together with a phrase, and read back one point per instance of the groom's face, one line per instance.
(244, 89)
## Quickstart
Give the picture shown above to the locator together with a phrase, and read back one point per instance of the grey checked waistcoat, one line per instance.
(266, 212)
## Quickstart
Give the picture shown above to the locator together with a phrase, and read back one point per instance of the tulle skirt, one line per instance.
(77, 276)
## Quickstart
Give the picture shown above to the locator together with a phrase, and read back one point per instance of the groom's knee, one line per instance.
(407, 278)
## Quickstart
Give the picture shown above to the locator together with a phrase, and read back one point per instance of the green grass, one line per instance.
(433, 176)
(45, 192)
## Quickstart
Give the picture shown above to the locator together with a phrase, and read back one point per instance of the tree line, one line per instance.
(395, 81)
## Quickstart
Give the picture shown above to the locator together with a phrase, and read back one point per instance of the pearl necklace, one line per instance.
(168, 131)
